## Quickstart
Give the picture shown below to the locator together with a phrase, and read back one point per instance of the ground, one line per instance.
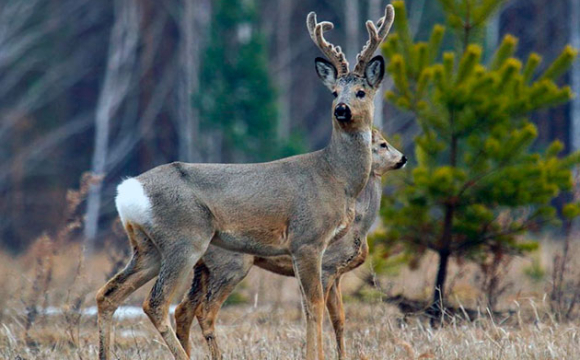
(374, 331)
(265, 321)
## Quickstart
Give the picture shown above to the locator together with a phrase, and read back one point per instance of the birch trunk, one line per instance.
(120, 62)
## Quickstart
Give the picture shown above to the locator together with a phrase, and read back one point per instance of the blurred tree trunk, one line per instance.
(352, 20)
(192, 24)
(285, 69)
(121, 59)
(575, 75)
(376, 12)
(575, 85)
(416, 16)
(188, 120)
(492, 34)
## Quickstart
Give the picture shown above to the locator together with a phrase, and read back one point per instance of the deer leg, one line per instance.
(207, 319)
(142, 267)
(220, 287)
(210, 289)
(177, 262)
(307, 263)
(336, 311)
(190, 305)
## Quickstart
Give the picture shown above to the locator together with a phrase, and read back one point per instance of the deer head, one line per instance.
(353, 91)
(385, 156)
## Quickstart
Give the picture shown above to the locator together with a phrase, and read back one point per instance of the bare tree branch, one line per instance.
(41, 148)
(123, 148)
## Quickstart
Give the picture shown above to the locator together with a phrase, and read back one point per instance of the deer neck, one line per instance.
(369, 202)
(349, 158)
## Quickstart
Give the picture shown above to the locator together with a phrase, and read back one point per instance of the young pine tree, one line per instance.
(477, 183)
(237, 100)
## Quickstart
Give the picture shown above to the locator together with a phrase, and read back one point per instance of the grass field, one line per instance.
(46, 312)
(374, 331)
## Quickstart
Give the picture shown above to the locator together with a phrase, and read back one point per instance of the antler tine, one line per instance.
(375, 38)
(333, 53)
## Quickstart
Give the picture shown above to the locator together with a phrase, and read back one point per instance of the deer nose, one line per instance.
(342, 112)
(402, 162)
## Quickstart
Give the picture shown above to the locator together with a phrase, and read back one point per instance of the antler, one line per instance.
(375, 38)
(333, 53)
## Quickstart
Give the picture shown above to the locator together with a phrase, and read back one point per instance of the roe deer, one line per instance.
(294, 206)
(219, 271)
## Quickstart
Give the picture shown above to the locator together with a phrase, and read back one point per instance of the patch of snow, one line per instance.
(122, 313)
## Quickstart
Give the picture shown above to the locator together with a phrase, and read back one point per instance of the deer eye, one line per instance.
(384, 145)
(335, 94)
(360, 94)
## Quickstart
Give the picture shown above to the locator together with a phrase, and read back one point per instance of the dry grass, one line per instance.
(375, 331)
(269, 324)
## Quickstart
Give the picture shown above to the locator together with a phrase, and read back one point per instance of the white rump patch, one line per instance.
(132, 202)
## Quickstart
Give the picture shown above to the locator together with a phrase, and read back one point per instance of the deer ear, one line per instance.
(375, 71)
(326, 72)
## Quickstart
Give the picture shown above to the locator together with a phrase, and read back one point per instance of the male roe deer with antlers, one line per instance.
(219, 270)
(294, 206)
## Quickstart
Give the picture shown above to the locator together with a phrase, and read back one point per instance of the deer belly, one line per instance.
(270, 242)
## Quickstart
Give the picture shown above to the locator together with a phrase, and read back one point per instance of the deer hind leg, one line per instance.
(187, 309)
(336, 312)
(207, 318)
(213, 282)
(221, 283)
(179, 256)
(307, 268)
(142, 267)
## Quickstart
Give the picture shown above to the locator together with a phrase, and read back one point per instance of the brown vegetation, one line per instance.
(268, 325)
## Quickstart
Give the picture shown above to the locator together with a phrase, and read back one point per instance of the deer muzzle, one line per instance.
(401, 163)
(342, 113)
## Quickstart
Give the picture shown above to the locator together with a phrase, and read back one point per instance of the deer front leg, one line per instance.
(307, 263)
(336, 312)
